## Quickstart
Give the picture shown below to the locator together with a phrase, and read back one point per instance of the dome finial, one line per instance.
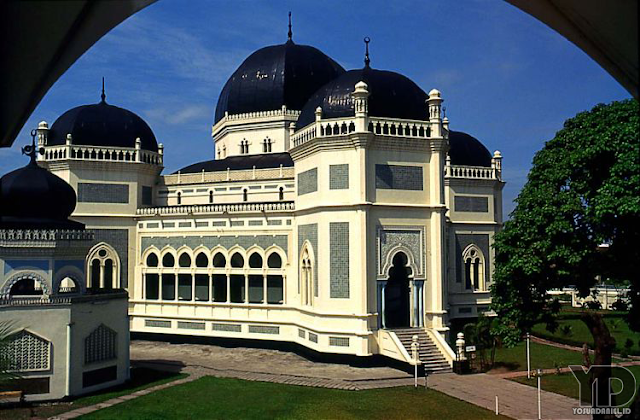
(103, 96)
(290, 34)
(366, 54)
(31, 150)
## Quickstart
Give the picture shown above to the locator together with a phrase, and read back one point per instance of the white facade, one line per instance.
(371, 228)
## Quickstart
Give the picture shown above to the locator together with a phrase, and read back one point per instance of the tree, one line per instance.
(480, 334)
(583, 191)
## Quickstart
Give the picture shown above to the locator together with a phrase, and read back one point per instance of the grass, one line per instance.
(580, 334)
(542, 357)
(214, 398)
(566, 384)
(141, 378)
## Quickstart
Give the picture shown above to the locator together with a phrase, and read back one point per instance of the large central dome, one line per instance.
(274, 76)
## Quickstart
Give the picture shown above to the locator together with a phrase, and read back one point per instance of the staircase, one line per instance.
(431, 358)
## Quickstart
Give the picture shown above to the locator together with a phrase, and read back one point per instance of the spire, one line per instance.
(366, 54)
(31, 150)
(290, 34)
(103, 96)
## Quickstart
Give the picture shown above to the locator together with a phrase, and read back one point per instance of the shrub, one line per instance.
(619, 305)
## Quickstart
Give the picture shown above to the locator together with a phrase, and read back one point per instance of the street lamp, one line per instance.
(528, 358)
(539, 374)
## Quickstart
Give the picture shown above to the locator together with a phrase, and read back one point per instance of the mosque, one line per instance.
(339, 211)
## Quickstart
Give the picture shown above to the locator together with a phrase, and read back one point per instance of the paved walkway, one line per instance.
(515, 400)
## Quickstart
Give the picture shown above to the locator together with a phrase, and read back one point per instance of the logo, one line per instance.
(608, 397)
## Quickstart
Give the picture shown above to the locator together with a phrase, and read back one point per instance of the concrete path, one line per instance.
(91, 408)
(515, 400)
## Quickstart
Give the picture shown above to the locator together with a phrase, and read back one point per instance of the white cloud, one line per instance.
(177, 115)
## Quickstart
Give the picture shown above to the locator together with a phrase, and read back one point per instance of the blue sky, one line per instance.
(506, 78)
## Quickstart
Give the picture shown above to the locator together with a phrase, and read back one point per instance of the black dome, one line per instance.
(390, 95)
(102, 125)
(33, 197)
(277, 75)
(467, 150)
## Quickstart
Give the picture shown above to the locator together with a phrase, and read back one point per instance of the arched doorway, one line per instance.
(396, 294)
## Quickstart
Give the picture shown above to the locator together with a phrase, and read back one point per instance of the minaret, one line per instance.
(435, 106)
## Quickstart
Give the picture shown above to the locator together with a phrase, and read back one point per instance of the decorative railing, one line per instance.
(229, 175)
(20, 235)
(218, 208)
(470, 172)
(244, 117)
(379, 126)
(61, 300)
(120, 154)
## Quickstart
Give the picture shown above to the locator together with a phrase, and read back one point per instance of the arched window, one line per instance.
(184, 260)
(202, 260)
(210, 197)
(219, 261)
(281, 194)
(152, 260)
(108, 274)
(179, 198)
(26, 287)
(68, 285)
(255, 260)
(104, 267)
(95, 274)
(274, 261)
(237, 260)
(245, 195)
(306, 276)
(168, 260)
(473, 261)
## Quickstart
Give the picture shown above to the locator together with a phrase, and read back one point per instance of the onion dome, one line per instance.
(276, 76)
(33, 198)
(102, 124)
(391, 95)
(466, 150)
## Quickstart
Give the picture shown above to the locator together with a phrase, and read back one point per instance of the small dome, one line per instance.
(286, 74)
(32, 197)
(102, 124)
(390, 95)
(466, 150)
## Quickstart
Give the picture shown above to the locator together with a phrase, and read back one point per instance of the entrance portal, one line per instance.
(396, 294)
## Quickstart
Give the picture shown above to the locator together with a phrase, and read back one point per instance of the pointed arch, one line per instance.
(26, 351)
(473, 266)
(307, 283)
(103, 266)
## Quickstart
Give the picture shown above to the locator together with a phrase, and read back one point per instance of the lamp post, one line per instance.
(415, 349)
(539, 374)
(528, 358)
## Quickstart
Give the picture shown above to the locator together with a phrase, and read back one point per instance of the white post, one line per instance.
(539, 388)
(415, 354)
(528, 358)
(496, 405)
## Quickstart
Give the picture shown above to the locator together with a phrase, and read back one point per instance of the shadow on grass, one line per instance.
(507, 366)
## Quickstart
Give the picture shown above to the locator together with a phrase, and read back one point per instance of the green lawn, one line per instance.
(141, 378)
(580, 334)
(542, 356)
(566, 384)
(212, 398)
